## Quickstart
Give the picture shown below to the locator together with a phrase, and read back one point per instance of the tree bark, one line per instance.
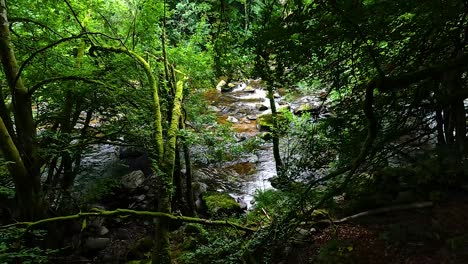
(275, 132)
(23, 152)
(188, 178)
(162, 252)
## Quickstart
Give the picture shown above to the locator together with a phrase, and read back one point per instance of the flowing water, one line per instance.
(243, 106)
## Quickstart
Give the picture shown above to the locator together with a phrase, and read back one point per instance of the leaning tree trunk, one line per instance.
(22, 151)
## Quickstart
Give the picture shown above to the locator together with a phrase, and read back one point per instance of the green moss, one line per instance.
(221, 203)
(265, 121)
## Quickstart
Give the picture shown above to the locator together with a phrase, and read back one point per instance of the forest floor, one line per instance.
(432, 235)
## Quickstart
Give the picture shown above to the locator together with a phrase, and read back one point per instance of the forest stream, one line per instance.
(247, 174)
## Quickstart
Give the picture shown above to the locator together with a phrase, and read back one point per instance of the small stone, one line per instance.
(276, 95)
(214, 108)
(104, 231)
(232, 119)
(252, 117)
(97, 243)
(141, 197)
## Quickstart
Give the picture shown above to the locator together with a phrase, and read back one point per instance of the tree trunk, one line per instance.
(188, 176)
(25, 171)
(162, 252)
(178, 196)
(275, 136)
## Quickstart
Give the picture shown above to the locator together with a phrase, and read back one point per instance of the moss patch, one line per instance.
(265, 121)
(221, 203)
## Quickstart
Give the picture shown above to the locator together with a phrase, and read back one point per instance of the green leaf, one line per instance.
(84, 224)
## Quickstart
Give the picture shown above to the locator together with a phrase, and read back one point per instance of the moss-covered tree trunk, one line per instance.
(20, 149)
(162, 251)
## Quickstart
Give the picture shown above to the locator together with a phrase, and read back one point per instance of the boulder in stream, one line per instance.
(221, 204)
(307, 108)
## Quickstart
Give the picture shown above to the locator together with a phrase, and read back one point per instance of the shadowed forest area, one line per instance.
(233, 131)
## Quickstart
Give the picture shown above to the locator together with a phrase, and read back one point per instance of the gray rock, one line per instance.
(232, 119)
(214, 108)
(276, 95)
(199, 188)
(141, 198)
(96, 243)
(133, 180)
(104, 231)
(252, 117)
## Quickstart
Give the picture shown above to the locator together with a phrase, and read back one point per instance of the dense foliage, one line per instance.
(377, 91)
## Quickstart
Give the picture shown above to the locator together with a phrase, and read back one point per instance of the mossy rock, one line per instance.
(265, 120)
(249, 89)
(221, 203)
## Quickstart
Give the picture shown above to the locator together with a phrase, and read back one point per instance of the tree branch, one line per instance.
(395, 82)
(127, 212)
(38, 85)
(27, 20)
(34, 54)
